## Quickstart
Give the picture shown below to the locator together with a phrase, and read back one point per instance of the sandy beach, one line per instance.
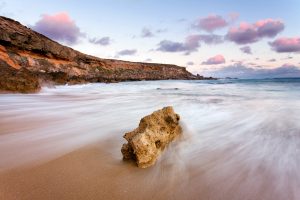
(64, 143)
(94, 173)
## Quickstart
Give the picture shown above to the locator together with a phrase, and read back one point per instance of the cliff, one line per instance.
(29, 59)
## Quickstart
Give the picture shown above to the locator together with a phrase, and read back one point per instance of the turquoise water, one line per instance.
(241, 137)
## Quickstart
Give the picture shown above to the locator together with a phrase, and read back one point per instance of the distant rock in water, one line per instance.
(50, 62)
(154, 133)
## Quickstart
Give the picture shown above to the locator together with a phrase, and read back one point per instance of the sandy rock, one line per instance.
(154, 133)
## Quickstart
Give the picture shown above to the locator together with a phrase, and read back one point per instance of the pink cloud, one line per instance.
(282, 45)
(191, 43)
(269, 27)
(247, 33)
(59, 27)
(194, 40)
(218, 59)
(210, 23)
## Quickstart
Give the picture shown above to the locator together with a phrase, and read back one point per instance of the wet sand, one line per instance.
(96, 172)
(89, 173)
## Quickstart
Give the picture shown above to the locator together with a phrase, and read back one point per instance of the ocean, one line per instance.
(241, 138)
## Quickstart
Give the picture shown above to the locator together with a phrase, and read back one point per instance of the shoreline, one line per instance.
(52, 84)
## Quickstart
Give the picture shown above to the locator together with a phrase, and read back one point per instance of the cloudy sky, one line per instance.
(237, 38)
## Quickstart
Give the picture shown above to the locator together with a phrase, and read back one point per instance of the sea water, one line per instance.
(241, 138)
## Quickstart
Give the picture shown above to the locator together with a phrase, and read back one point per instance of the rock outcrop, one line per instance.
(17, 80)
(154, 133)
(22, 48)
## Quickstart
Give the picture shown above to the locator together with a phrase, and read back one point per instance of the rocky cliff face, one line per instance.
(29, 59)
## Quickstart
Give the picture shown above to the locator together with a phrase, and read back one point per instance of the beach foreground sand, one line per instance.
(88, 173)
(93, 173)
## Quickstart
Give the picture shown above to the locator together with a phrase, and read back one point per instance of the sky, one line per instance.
(220, 38)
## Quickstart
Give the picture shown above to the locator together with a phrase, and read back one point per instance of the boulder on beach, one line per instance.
(153, 134)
